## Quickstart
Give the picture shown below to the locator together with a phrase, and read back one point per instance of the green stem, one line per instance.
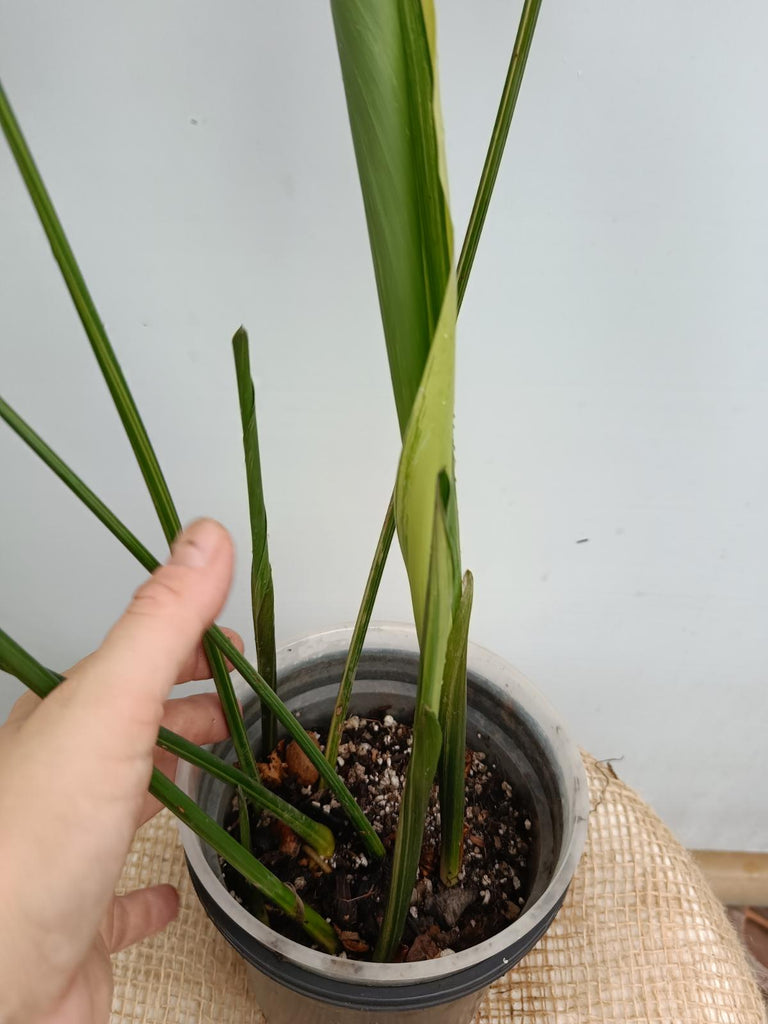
(243, 861)
(232, 714)
(499, 134)
(453, 722)
(91, 321)
(313, 832)
(358, 634)
(262, 587)
(358, 820)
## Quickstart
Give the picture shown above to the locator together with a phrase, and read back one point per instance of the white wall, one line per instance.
(612, 356)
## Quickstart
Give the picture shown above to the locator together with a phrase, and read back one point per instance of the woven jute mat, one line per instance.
(640, 938)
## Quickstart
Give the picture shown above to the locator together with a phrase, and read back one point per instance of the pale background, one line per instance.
(612, 360)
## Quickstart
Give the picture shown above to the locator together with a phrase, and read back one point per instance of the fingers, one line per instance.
(196, 666)
(199, 718)
(138, 915)
(129, 677)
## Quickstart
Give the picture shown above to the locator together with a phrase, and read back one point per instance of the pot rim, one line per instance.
(483, 663)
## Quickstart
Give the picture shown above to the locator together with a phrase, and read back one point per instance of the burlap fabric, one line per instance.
(640, 938)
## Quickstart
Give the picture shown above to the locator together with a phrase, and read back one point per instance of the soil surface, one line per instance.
(350, 890)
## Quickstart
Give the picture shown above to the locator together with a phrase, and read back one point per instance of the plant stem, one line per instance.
(499, 134)
(453, 722)
(91, 321)
(313, 832)
(427, 732)
(262, 587)
(358, 634)
(242, 860)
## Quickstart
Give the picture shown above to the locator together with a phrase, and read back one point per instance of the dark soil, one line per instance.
(350, 891)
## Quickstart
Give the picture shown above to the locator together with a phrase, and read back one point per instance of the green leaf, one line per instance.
(77, 486)
(387, 54)
(91, 321)
(43, 681)
(17, 662)
(381, 95)
(232, 713)
(453, 721)
(262, 588)
(222, 642)
(118, 388)
(427, 733)
(515, 72)
(273, 890)
(358, 635)
(410, 832)
(318, 836)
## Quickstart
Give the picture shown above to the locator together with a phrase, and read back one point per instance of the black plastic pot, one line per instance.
(515, 726)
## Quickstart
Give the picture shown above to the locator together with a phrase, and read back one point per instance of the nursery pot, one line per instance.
(516, 728)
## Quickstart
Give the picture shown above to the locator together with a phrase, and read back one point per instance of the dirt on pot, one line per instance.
(350, 890)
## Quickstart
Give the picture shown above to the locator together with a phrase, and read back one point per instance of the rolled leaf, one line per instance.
(358, 635)
(453, 721)
(427, 734)
(262, 588)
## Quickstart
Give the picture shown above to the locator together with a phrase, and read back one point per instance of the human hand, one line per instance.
(74, 771)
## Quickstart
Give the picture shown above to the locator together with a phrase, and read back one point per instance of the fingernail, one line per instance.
(197, 544)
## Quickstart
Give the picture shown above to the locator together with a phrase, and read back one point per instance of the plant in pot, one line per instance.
(381, 867)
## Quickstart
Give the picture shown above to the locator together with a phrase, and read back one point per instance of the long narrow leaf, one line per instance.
(243, 861)
(453, 721)
(358, 635)
(515, 72)
(77, 486)
(262, 588)
(427, 734)
(221, 640)
(304, 740)
(42, 681)
(375, 71)
(91, 321)
(315, 833)
(229, 704)
(118, 388)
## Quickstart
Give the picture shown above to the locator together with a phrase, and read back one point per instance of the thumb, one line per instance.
(140, 660)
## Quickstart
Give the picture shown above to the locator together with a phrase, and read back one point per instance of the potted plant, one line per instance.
(435, 688)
